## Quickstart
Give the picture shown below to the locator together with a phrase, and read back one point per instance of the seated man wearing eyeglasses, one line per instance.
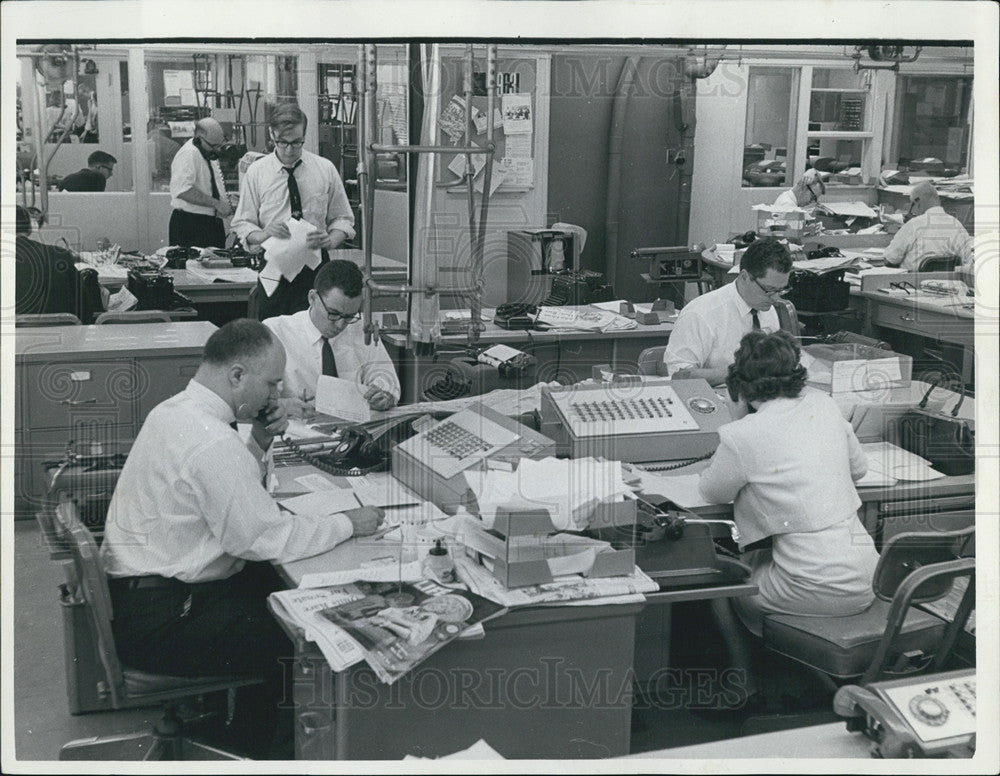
(327, 339)
(197, 190)
(805, 192)
(709, 329)
(93, 177)
(290, 183)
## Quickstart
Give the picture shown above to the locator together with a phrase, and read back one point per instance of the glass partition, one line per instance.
(932, 131)
(769, 141)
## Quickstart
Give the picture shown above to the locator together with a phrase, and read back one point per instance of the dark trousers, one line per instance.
(211, 629)
(288, 297)
(197, 230)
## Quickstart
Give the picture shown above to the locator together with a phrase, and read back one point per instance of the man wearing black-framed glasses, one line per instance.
(290, 183)
(197, 189)
(327, 339)
(93, 177)
(709, 329)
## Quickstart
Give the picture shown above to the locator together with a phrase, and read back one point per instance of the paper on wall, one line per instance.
(517, 118)
(498, 177)
(287, 256)
(518, 171)
(457, 165)
(453, 119)
(342, 399)
(518, 146)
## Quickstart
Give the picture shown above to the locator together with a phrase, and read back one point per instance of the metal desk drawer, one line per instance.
(60, 392)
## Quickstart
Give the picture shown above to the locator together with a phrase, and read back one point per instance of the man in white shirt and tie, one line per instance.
(191, 529)
(708, 330)
(325, 339)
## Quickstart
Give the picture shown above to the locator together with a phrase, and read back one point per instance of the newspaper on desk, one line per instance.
(569, 590)
(506, 401)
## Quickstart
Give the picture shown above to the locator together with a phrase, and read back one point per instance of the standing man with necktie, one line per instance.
(325, 339)
(197, 191)
(290, 183)
(709, 329)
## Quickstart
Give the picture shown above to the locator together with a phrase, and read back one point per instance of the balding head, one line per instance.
(211, 130)
(922, 197)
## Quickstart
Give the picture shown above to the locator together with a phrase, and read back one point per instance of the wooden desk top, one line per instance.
(111, 340)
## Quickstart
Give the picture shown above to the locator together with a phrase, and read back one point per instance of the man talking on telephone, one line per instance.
(191, 527)
(325, 339)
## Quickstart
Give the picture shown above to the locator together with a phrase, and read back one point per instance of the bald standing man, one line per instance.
(197, 190)
(931, 232)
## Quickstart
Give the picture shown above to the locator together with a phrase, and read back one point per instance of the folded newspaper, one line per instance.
(397, 626)
(573, 590)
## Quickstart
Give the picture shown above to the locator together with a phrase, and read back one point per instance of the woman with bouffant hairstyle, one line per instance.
(789, 467)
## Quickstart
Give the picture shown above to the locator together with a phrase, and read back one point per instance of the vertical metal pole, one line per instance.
(467, 65)
(367, 59)
(476, 324)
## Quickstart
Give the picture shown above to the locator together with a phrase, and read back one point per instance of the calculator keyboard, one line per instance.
(619, 410)
(456, 441)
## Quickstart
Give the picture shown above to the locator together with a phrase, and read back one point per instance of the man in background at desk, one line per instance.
(324, 339)
(803, 193)
(93, 177)
(931, 232)
(190, 511)
(709, 329)
(290, 183)
(197, 190)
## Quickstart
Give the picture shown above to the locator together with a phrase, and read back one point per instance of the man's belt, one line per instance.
(145, 582)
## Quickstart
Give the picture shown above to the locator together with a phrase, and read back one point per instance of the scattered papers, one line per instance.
(586, 319)
(223, 275)
(889, 459)
(381, 489)
(288, 256)
(682, 489)
(321, 502)
(300, 608)
(122, 300)
(389, 571)
(827, 264)
(478, 751)
(104, 271)
(848, 209)
(317, 482)
(342, 399)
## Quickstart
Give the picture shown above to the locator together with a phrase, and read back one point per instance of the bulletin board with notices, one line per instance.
(513, 126)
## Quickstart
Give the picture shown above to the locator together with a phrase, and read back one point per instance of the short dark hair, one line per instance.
(766, 367)
(764, 254)
(342, 274)
(286, 116)
(239, 339)
(100, 157)
(23, 220)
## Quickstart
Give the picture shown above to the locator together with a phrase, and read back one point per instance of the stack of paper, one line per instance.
(568, 489)
(895, 462)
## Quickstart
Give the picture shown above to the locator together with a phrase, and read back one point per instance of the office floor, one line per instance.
(43, 723)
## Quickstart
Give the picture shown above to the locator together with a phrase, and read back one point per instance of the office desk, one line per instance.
(564, 355)
(92, 383)
(545, 682)
(817, 742)
(922, 317)
(962, 207)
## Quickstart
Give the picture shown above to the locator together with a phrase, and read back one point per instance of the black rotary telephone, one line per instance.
(361, 449)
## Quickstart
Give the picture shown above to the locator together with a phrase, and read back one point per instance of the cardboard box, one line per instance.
(850, 367)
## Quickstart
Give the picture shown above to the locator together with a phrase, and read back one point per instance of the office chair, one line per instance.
(938, 263)
(128, 687)
(651, 361)
(46, 319)
(788, 318)
(133, 316)
(894, 636)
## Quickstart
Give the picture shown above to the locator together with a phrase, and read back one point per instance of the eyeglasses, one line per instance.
(335, 315)
(289, 143)
(770, 291)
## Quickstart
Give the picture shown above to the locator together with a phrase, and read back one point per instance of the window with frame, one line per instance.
(932, 130)
(769, 139)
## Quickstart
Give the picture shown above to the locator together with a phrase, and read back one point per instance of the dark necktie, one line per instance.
(294, 199)
(211, 174)
(756, 319)
(234, 426)
(329, 362)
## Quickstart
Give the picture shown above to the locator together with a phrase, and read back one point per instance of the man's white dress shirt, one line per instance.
(190, 504)
(709, 329)
(264, 196)
(190, 170)
(932, 233)
(368, 365)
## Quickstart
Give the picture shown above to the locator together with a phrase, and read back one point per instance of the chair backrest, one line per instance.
(93, 587)
(133, 316)
(788, 318)
(46, 319)
(938, 263)
(904, 553)
(919, 568)
(651, 361)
